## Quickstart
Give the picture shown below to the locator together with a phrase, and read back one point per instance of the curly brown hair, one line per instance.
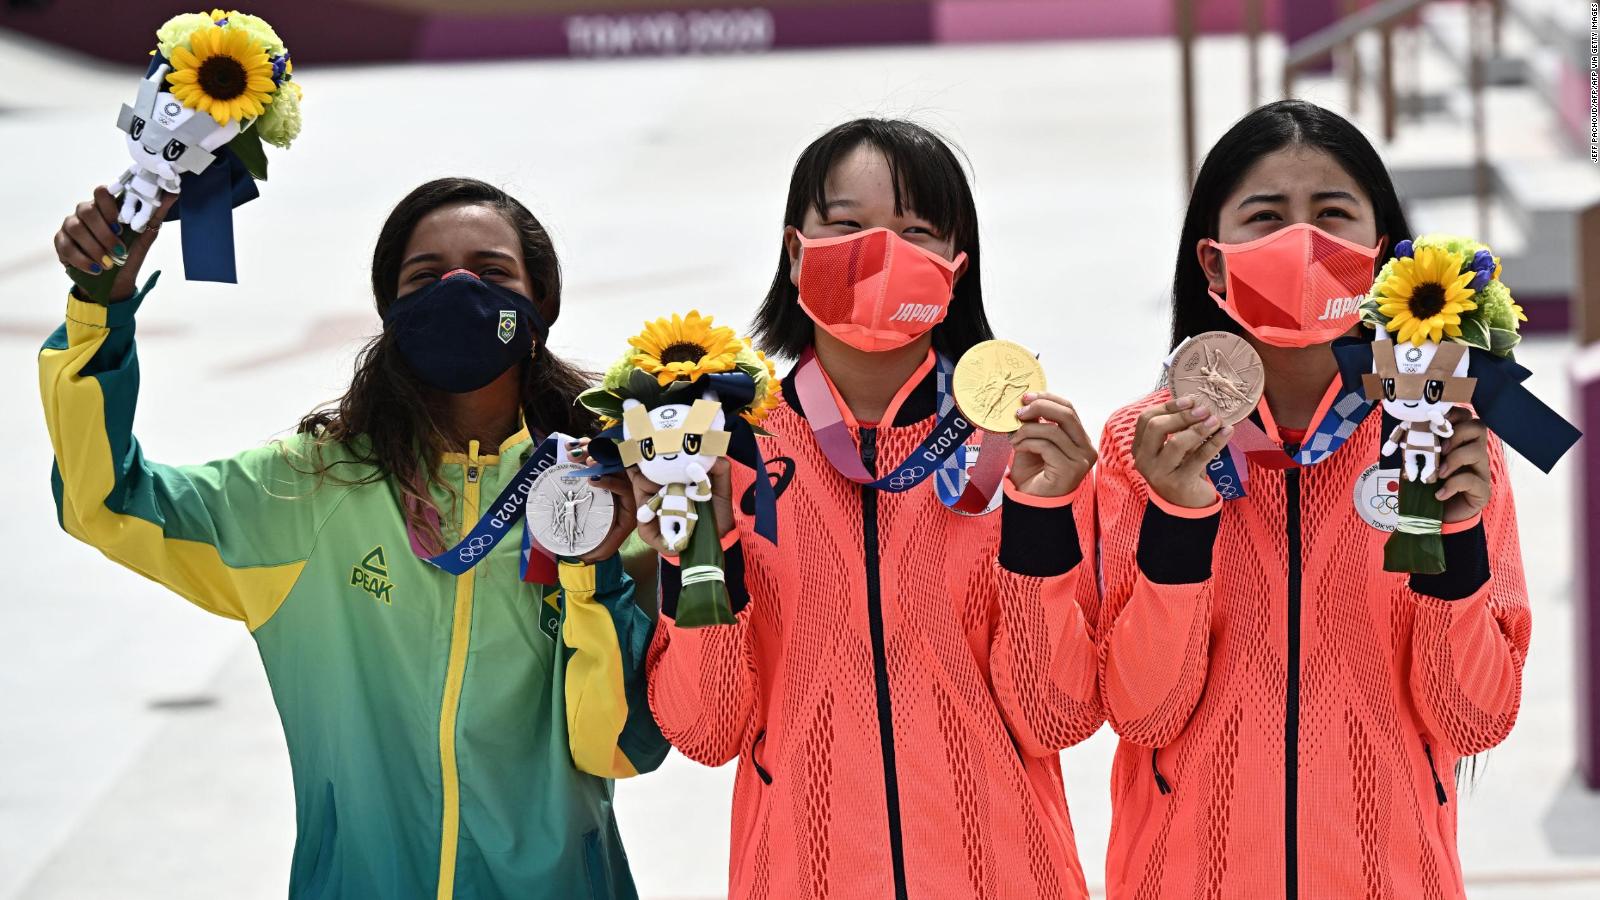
(388, 420)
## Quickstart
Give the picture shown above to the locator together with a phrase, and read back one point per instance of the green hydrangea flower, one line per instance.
(177, 30)
(260, 32)
(617, 375)
(1463, 247)
(280, 124)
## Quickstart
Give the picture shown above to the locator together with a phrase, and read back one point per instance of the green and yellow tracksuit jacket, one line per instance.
(450, 736)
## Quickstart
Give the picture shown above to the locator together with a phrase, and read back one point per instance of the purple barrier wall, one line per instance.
(355, 31)
(1586, 609)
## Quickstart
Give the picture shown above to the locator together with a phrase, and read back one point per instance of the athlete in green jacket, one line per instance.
(449, 735)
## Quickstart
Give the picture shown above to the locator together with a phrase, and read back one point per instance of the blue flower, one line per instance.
(1403, 249)
(1481, 278)
(1483, 261)
(279, 64)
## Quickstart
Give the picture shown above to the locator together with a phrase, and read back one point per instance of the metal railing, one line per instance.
(1339, 41)
(1384, 17)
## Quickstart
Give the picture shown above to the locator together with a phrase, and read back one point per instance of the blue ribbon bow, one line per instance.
(206, 205)
(1510, 410)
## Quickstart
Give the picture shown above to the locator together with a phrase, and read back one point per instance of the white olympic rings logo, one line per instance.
(475, 548)
(906, 477)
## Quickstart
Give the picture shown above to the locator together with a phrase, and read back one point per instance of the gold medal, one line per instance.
(990, 380)
(1221, 370)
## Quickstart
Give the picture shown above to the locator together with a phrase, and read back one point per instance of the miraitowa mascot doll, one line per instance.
(1445, 328)
(217, 86)
(1418, 386)
(675, 445)
(688, 393)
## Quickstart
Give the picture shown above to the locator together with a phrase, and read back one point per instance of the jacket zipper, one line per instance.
(880, 663)
(1438, 786)
(450, 705)
(1291, 718)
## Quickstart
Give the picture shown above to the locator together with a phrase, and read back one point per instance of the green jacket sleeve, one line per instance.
(230, 536)
(609, 726)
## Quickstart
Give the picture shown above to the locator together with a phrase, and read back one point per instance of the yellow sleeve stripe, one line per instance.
(75, 415)
(597, 705)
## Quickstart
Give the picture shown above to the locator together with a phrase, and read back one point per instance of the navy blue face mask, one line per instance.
(461, 332)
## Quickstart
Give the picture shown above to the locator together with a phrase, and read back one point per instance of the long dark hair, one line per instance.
(391, 421)
(1267, 130)
(927, 178)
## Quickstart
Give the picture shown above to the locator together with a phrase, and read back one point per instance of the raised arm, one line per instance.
(609, 726)
(703, 680)
(230, 536)
(1043, 658)
(1470, 635)
(1155, 558)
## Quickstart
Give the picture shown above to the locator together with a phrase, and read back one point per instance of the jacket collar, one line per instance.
(474, 455)
(920, 403)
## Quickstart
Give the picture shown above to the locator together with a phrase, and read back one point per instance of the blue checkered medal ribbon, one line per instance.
(1341, 421)
(950, 479)
(1346, 413)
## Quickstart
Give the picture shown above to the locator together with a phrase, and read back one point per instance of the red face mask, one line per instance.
(874, 290)
(1298, 286)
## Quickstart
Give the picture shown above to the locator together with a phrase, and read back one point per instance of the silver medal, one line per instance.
(568, 515)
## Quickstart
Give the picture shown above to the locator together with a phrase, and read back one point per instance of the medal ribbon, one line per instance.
(495, 524)
(937, 452)
(1339, 415)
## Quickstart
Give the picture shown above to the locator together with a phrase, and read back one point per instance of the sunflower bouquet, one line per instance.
(684, 392)
(218, 86)
(1438, 299)
(1445, 286)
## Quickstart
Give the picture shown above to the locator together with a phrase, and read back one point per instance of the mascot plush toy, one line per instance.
(686, 394)
(674, 445)
(1418, 385)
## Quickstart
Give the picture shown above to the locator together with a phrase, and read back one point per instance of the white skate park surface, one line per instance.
(140, 754)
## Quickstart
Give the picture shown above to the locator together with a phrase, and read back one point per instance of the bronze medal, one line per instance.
(1221, 370)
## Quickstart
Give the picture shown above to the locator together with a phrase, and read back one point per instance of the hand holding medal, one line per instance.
(1000, 386)
(218, 85)
(571, 516)
(1216, 380)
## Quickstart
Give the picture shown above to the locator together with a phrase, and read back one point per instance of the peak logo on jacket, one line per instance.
(372, 576)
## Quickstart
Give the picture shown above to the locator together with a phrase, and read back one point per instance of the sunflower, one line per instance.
(768, 389)
(1424, 296)
(224, 73)
(684, 347)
